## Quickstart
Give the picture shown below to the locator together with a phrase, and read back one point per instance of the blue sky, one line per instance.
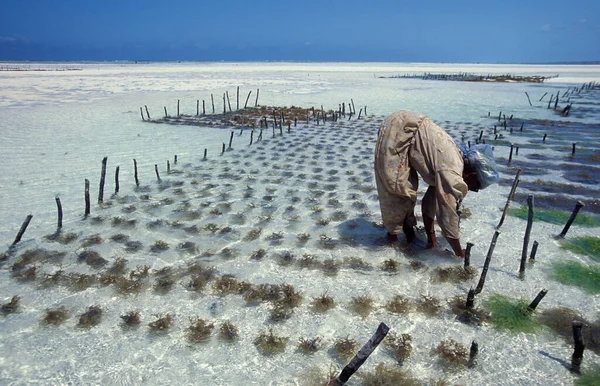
(508, 31)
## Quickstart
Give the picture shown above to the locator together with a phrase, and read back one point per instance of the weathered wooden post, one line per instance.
(522, 124)
(142, 113)
(177, 108)
(510, 197)
(543, 96)
(248, 97)
(228, 102)
(527, 234)
(135, 173)
(237, 106)
(197, 107)
(470, 299)
(102, 180)
(510, 154)
(534, 248)
(224, 105)
(60, 213)
(473, 354)
(528, 98)
(175, 159)
(203, 108)
(362, 355)
(573, 149)
(147, 112)
(168, 167)
(23, 229)
(577, 356)
(531, 307)
(205, 150)
(87, 197)
(230, 139)
(578, 206)
(544, 139)
(117, 180)
(166, 115)
(156, 171)
(359, 113)
(212, 99)
(256, 101)
(486, 264)
(468, 254)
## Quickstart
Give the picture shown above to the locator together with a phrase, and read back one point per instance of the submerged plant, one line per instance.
(345, 347)
(91, 240)
(162, 323)
(454, 274)
(253, 234)
(309, 345)
(510, 314)
(390, 265)
(362, 305)
(399, 305)
(258, 254)
(92, 258)
(577, 274)
(399, 345)
(554, 216)
(429, 305)
(269, 343)
(199, 330)
(159, 246)
(55, 316)
(228, 332)
(452, 353)
(330, 267)
(11, 306)
(385, 375)
(131, 319)
(90, 318)
(583, 245)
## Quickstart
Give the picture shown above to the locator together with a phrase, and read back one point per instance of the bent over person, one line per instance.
(410, 144)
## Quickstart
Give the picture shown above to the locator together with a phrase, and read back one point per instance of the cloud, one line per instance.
(546, 27)
(14, 39)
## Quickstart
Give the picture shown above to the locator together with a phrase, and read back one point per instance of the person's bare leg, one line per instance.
(430, 231)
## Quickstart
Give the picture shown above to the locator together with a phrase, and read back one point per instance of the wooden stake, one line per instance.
(473, 355)
(544, 139)
(470, 299)
(142, 113)
(237, 107)
(578, 206)
(537, 300)
(363, 354)
(543, 96)
(468, 254)
(156, 171)
(533, 250)
(102, 180)
(510, 197)
(147, 112)
(359, 113)
(205, 150)
(248, 97)
(256, 101)
(212, 98)
(203, 108)
(528, 98)
(117, 180)
(224, 105)
(527, 234)
(573, 149)
(168, 167)
(135, 173)
(197, 107)
(228, 102)
(510, 154)
(87, 197)
(251, 136)
(522, 123)
(230, 139)
(165, 112)
(175, 159)
(60, 213)
(177, 108)
(577, 356)
(486, 264)
(23, 229)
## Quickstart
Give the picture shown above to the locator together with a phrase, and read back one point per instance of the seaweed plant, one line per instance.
(302, 238)
(452, 353)
(118, 267)
(269, 343)
(91, 240)
(133, 246)
(399, 345)
(357, 263)
(454, 274)
(126, 286)
(555, 216)
(140, 272)
(226, 285)
(362, 305)
(330, 267)
(11, 306)
(55, 316)
(164, 283)
(285, 258)
(399, 305)
(162, 323)
(80, 281)
(253, 234)
(583, 245)
(228, 332)
(472, 316)
(25, 275)
(131, 319)
(510, 314)
(390, 266)
(309, 345)
(560, 320)
(90, 318)
(429, 305)
(590, 377)
(345, 347)
(159, 246)
(258, 254)
(307, 261)
(280, 312)
(92, 258)
(577, 274)
(199, 330)
(385, 375)
(53, 279)
(61, 238)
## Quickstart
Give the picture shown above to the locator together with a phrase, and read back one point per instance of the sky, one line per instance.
(508, 31)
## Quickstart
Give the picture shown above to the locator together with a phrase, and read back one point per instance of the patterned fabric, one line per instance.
(409, 144)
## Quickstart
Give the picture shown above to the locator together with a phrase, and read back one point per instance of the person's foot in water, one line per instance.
(391, 238)
(409, 232)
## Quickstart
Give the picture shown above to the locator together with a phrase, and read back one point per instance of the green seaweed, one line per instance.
(577, 274)
(590, 377)
(583, 245)
(510, 314)
(555, 216)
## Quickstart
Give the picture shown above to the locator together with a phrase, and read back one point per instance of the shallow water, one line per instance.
(315, 181)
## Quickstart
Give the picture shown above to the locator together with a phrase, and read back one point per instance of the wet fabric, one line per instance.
(409, 145)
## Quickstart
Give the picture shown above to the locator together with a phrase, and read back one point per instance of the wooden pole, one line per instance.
(237, 107)
(147, 112)
(556, 101)
(60, 213)
(212, 98)
(228, 102)
(470, 299)
(528, 98)
(256, 101)
(142, 113)
(23, 229)
(531, 307)
(486, 264)
(510, 197)
(224, 105)
(175, 159)
(223, 149)
(197, 107)
(251, 136)
(230, 139)
(363, 354)
(468, 254)
(166, 115)
(102, 180)
(473, 354)
(577, 356)
(573, 149)
(168, 167)
(117, 180)
(533, 250)
(578, 206)
(543, 96)
(87, 197)
(205, 150)
(527, 234)
(248, 97)
(156, 171)
(510, 154)
(135, 173)
(353, 108)
(203, 108)
(177, 108)
(359, 113)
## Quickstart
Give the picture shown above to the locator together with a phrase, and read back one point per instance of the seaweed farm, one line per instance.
(245, 245)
